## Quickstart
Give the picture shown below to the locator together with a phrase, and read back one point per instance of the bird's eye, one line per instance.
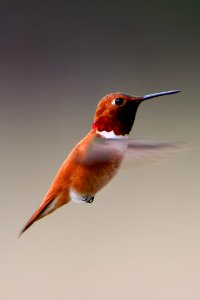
(119, 101)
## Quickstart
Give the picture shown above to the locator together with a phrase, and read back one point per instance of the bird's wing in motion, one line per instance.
(140, 152)
(136, 152)
(102, 150)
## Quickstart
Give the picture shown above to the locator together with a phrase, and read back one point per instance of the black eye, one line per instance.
(119, 101)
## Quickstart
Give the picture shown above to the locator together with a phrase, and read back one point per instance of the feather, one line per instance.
(134, 152)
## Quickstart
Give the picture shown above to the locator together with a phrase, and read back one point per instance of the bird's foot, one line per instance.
(90, 200)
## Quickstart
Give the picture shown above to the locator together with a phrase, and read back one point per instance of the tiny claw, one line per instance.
(90, 200)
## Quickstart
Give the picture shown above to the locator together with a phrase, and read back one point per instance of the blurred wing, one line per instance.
(135, 152)
(102, 150)
(140, 152)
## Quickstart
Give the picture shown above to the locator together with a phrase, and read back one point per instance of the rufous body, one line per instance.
(94, 161)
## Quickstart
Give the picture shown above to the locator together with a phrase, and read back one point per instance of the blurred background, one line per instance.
(140, 239)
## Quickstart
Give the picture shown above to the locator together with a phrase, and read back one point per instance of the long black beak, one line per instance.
(146, 97)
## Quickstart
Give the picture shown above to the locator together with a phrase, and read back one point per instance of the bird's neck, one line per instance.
(109, 128)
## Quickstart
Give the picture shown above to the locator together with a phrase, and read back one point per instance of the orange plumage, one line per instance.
(96, 159)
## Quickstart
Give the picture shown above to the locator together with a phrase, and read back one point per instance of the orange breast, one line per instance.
(89, 178)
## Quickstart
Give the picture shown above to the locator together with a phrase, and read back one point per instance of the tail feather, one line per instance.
(46, 207)
(38, 214)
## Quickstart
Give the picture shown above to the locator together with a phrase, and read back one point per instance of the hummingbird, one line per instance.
(96, 159)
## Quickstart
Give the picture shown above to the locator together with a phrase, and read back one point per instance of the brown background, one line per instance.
(140, 239)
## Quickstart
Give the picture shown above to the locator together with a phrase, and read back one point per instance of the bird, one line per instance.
(96, 159)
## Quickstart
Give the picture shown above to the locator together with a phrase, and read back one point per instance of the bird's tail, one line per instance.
(46, 207)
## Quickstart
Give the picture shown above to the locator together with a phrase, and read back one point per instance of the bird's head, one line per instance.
(116, 112)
